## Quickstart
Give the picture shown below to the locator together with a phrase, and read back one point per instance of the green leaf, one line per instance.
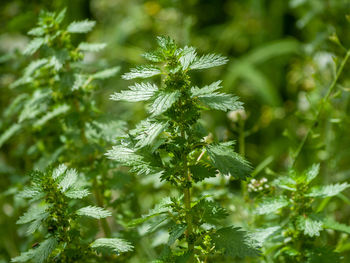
(39, 254)
(81, 26)
(37, 32)
(188, 55)
(138, 92)
(59, 110)
(312, 172)
(327, 190)
(323, 255)
(59, 171)
(206, 90)
(166, 43)
(201, 171)
(33, 66)
(76, 193)
(310, 226)
(93, 211)
(33, 213)
(235, 242)
(124, 155)
(332, 224)
(91, 47)
(163, 101)
(12, 130)
(175, 232)
(209, 211)
(153, 56)
(262, 235)
(227, 161)
(271, 205)
(221, 101)
(68, 180)
(107, 73)
(208, 61)
(33, 46)
(115, 244)
(35, 105)
(142, 72)
(161, 208)
(147, 132)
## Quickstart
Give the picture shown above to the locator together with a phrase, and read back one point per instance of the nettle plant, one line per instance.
(54, 219)
(55, 105)
(302, 219)
(171, 143)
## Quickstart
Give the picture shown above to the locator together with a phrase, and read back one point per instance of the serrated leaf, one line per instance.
(235, 242)
(166, 42)
(35, 105)
(153, 56)
(33, 213)
(34, 193)
(118, 245)
(208, 61)
(39, 254)
(228, 162)
(33, 46)
(262, 235)
(7, 134)
(271, 205)
(58, 171)
(176, 232)
(332, 224)
(188, 55)
(327, 190)
(76, 193)
(206, 90)
(323, 255)
(142, 72)
(201, 171)
(209, 211)
(312, 172)
(93, 211)
(68, 180)
(33, 66)
(91, 47)
(61, 109)
(138, 92)
(221, 101)
(159, 209)
(107, 73)
(124, 155)
(163, 101)
(81, 26)
(310, 226)
(147, 132)
(37, 31)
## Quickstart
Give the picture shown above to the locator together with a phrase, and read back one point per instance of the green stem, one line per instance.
(320, 108)
(99, 201)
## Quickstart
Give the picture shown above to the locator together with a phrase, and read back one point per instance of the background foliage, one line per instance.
(283, 56)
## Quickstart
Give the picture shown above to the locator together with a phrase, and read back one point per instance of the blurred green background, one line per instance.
(281, 61)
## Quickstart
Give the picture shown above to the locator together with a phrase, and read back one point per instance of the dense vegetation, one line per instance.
(175, 131)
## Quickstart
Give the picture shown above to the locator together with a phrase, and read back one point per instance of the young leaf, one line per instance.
(61, 109)
(91, 47)
(148, 131)
(107, 73)
(188, 55)
(163, 101)
(33, 46)
(332, 224)
(12, 130)
(138, 92)
(208, 61)
(206, 90)
(176, 232)
(81, 26)
(312, 172)
(142, 72)
(227, 161)
(93, 211)
(116, 244)
(311, 227)
(68, 180)
(270, 205)
(235, 242)
(221, 101)
(327, 190)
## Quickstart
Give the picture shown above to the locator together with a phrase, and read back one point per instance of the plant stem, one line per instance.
(320, 108)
